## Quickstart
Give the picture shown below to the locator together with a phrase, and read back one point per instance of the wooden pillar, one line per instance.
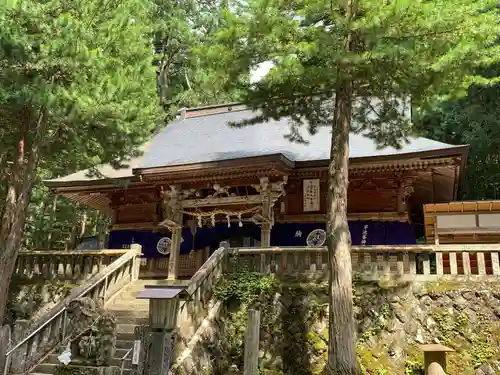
(173, 212)
(251, 356)
(400, 198)
(175, 254)
(265, 228)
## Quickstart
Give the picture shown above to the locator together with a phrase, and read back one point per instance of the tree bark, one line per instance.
(52, 219)
(342, 335)
(22, 179)
(342, 358)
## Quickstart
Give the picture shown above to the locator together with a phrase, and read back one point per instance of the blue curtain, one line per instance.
(203, 237)
(376, 233)
(286, 234)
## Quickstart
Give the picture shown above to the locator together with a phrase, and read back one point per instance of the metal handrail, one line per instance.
(124, 358)
(81, 291)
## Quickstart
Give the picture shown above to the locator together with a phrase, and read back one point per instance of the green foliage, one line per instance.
(399, 49)
(380, 323)
(77, 370)
(28, 295)
(185, 77)
(244, 290)
(77, 89)
(473, 120)
(245, 287)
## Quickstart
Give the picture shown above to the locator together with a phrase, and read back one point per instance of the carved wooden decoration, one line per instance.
(311, 195)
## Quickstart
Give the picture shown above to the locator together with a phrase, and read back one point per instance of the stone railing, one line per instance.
(200, 291)
(412, 262)
(32, 342)
(158, 267)
(64, 265)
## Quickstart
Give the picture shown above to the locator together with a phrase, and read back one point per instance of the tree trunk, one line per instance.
(52, 219)
(342, 358)
(22, 179)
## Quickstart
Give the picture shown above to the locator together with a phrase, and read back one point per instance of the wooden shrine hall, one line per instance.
(200, 182)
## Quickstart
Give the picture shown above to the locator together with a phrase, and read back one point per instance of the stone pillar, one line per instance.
(173, 212)
(136, 267)
(5, 342)
(18, 358)
(435, 358)
(160, 352)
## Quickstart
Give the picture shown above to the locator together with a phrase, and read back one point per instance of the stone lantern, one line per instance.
(164, 301)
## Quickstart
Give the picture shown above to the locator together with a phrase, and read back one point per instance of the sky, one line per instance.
(257, 73)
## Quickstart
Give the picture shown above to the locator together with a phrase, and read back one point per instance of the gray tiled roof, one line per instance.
(209, 138)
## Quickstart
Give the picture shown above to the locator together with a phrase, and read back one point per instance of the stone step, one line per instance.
(117, 361)
(124, 344)
(131, 317)
(125, 336)
(125, 328)
(49, 369)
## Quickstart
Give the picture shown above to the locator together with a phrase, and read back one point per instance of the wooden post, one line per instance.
(400, 197)
(175, 254)
(265, 193)
(481, 264)
(453, 263)
(495, 264)
(251, 356)
(426, 264)
(439, 264)
(435, 358)
(436, 231)
(466, 263)
(173, 212)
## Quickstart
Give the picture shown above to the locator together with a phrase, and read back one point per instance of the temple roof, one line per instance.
(202, 135)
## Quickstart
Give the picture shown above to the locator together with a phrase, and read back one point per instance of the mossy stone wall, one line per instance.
(392, 320)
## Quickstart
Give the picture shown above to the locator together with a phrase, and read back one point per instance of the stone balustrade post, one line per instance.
(136, 262)
(18, 357)
(5, 344)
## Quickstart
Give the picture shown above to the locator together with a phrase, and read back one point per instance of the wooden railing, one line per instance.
(200, 290)
(51, 329)
(414, 262)
(64, 265)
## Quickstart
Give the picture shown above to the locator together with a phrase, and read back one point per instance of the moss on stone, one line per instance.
(318, 344)
(324, 334)
(392, 316)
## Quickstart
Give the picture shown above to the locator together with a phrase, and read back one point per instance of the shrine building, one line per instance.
(200, 182)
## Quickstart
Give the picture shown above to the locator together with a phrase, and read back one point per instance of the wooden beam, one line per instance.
(222, 201)
(319, 218)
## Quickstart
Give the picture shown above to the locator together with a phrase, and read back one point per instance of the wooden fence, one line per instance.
(415, 262)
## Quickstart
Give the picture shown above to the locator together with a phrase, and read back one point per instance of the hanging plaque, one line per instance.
(311, 195)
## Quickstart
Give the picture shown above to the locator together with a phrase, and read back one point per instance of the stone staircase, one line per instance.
(129, 312)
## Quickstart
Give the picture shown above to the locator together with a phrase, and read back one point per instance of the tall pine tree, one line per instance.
(353, 65)
(77, 84)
